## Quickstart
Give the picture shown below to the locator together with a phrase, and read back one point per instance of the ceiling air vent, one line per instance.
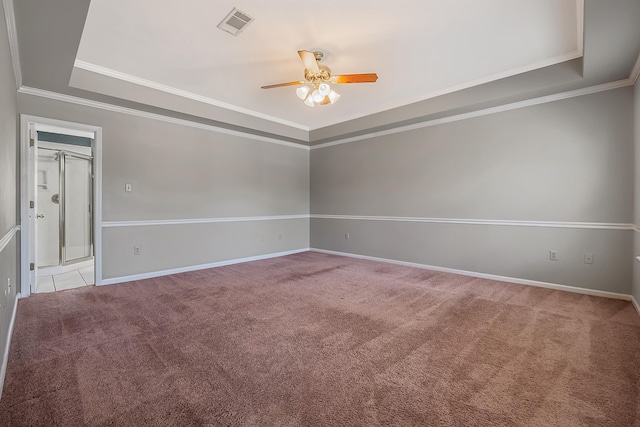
(235, 22)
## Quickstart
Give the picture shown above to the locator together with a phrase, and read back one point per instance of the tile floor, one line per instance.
(69, 280)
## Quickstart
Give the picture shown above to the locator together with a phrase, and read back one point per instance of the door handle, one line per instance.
(40, 216)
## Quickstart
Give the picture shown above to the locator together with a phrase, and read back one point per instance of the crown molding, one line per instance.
(12, 33)
(133, 112)
(182, 93)
(485, 112)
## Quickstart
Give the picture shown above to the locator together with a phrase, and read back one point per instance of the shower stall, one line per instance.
(64, 207)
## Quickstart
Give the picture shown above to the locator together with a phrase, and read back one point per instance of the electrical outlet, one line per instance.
(553, 255)
(588, 258)
(346, 236)
(137, 250)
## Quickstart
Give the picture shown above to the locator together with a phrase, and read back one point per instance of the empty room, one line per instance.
(294, 213)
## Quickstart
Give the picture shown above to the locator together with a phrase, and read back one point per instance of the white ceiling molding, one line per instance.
(198, 98)
(12, 34)
(132, 112)
(179, 92)
(493, 110)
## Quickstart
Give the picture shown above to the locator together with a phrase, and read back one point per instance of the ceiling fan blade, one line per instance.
(283, 84)
(309, 61)
(355, 78)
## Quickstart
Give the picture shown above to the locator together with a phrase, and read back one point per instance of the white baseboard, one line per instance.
(5, 356)
(152, 274)
(487, 276)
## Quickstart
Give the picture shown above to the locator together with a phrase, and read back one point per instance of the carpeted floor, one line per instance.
(314, 339)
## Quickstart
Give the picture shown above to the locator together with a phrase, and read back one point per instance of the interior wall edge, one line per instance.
(508, 279)
(12, 33)
(150, 275)
(5, 356)
(635, 72)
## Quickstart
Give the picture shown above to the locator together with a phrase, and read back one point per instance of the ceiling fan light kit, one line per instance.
(315, 88)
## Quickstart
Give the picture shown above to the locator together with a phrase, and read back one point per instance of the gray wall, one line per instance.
(636, 180)
(8, 187)
(184, 173)
(565, 161)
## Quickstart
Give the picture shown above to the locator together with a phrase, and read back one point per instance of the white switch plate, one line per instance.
(127, 188)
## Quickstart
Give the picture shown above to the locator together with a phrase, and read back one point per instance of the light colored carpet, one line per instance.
(315, 339)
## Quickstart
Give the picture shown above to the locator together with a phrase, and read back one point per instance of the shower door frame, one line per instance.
(62, 223)
(29, 125)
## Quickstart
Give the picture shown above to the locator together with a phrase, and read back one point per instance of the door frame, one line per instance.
(29, 124)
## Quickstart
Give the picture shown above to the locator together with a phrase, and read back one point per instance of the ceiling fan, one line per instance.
(316, 88)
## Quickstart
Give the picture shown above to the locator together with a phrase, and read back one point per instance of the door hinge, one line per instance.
(32, 204)
(32, 266)
(31, 142)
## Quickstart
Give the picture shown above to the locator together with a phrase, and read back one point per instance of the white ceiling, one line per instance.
(419, 49)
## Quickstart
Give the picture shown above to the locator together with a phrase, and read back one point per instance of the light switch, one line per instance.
(127, 188)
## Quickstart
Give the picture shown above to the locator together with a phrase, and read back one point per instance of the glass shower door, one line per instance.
(77, 208)
(48, 215)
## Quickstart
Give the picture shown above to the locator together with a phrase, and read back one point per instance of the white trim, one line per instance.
(181, 93)
(484, 112)
(5, 356)
(12, 33)
(528, 282)
(635, 305)
(7, 237)
(152, 274)
(138, 113)
(110, 224)
(546, 224)
(97, 206)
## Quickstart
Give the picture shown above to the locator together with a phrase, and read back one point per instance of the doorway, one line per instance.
(64, 206)
(60, 211)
